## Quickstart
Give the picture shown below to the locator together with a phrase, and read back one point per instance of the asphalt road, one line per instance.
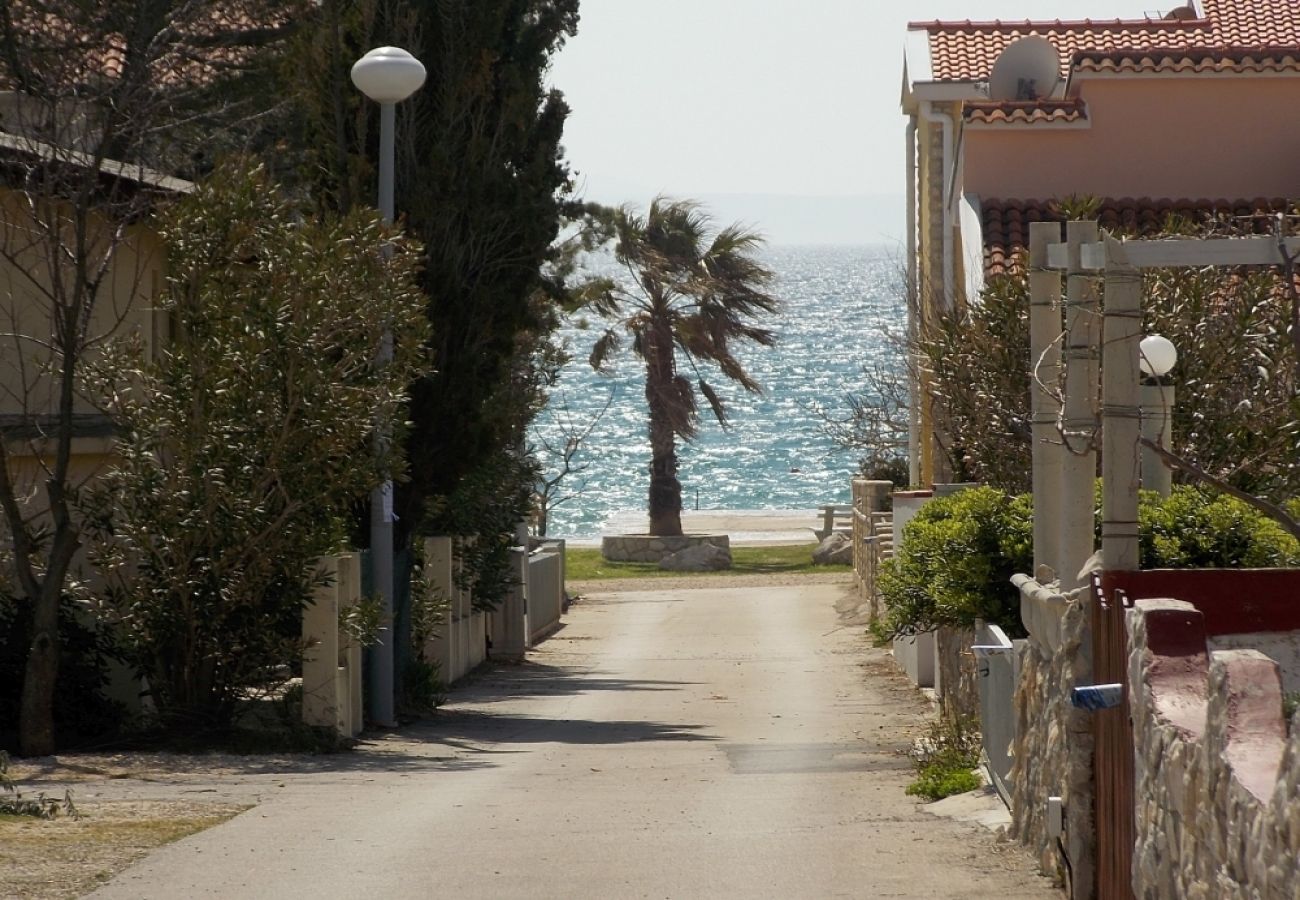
(711, 743)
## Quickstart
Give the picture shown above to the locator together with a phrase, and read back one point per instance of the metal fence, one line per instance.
(998, 667)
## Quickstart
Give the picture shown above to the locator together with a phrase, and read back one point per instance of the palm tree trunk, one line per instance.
(665, 489)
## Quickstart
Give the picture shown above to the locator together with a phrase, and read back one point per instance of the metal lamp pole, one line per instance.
(387, 75)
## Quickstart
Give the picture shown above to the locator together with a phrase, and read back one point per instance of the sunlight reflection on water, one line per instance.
(838, 303)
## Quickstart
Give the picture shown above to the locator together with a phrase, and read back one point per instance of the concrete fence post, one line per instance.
(510, 620)
(351, 687)
(1122, 415)
(321, 706)
(1157, 405)
(1044, 374)
(438, 571)
(1082, 360)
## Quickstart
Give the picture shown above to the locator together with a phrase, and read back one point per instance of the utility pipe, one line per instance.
(945, 124)
(913, 311)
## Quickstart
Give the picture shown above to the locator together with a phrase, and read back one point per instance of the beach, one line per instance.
(745, 527)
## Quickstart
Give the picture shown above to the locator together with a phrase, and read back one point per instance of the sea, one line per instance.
(843, 308)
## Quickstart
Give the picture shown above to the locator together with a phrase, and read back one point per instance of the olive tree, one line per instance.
(245, 441)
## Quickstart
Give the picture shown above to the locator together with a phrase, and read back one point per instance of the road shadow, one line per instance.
(471, 729)
(471, 721)
(502, 682)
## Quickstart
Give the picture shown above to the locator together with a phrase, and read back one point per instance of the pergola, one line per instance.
(1094, 353)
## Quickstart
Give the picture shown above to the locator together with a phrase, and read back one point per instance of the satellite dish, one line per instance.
(1029, 69)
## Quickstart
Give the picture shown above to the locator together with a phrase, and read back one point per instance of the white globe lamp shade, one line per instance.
(388, 74)
(1157, 356)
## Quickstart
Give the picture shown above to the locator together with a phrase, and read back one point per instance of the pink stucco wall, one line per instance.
(1198, 137)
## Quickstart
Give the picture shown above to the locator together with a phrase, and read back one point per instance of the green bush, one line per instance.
(959, 553)
(1195, 528)
(956, 563)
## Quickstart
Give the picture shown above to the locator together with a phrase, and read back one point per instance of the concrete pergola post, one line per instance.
(1157, 404)
(1044, 372)
(1082, 364)
(1121, 412)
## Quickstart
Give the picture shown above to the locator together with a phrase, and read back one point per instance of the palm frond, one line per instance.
(732, 368)
(715, 402)
(703, 289)
(608, 343)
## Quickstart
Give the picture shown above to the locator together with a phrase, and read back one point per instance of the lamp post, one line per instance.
(387, 75)
(1156, 357)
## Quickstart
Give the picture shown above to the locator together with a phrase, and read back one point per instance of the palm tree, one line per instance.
(689, 300)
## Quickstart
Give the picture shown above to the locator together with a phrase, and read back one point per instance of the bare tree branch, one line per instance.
(1197, 474)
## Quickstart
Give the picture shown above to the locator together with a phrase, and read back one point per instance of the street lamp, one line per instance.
(387, 75)
(1156, 357)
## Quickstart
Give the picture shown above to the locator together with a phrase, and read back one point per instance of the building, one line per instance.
(38, 284)
(1190, 112)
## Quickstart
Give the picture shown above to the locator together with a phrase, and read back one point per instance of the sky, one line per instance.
(781, 113)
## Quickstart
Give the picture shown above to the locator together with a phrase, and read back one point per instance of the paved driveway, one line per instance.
(712, 743)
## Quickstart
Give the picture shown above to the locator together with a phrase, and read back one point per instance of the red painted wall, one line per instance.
(1233, 601)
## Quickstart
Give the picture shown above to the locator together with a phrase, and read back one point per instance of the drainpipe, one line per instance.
(927, 428)
(913, 311)
(949, 165)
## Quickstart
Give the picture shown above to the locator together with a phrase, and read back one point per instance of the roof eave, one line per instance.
(949, 90)
(916, 55)
(42, 151)
(1081, 124)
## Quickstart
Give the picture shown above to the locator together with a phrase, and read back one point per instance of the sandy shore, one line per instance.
(746, 527)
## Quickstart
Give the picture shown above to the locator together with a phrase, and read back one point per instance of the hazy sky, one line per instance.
(759, 97)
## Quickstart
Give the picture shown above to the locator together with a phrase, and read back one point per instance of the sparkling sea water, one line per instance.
(838, 303)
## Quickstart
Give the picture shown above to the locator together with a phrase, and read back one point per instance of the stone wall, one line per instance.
(1053, 745)
(955, 673)
(872, 537)
(652, 548)
(1217, 776)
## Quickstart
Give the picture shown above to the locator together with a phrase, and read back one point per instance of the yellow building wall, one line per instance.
(932, 185)
(30, 284)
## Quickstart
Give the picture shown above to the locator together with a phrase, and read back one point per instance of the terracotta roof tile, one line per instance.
(966, 51)
(1264, 59)
(1025, 112)
(199, 51)
(1006, 222)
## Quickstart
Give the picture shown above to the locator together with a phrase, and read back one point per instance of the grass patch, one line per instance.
(946, 759)
(41, 858)
(946, 773)
(586, 564)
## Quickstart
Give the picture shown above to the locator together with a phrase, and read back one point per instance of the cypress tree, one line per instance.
(482, 183)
